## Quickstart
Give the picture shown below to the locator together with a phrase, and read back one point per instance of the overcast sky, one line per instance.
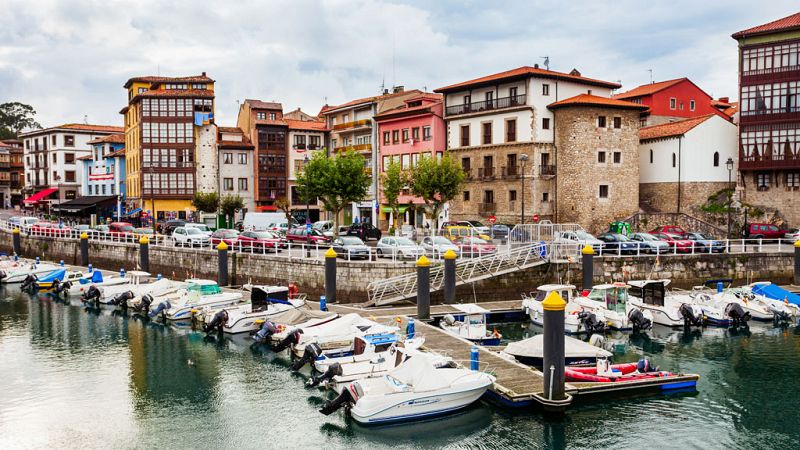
(69, 59)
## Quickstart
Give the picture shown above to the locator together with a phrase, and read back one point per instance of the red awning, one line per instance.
(270, 208)
(35, 198)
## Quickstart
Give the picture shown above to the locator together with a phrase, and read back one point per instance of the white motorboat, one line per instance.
(197, 294)
(140, 285)
(576, 352)
(761, 306)
(277, 328)
(667, 310)
(366, 348)
(414, 390)
(18, 273)
(576, 318)
(473, 325)
(719, 309)
(95, 279)
(611, 302)
(246, 317)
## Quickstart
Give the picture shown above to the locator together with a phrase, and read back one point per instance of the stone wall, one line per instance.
(780, 198)
(663, 197)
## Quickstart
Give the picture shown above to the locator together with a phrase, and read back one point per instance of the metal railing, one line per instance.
(487, 105)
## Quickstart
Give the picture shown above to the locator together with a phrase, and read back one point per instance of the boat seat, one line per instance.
(396, 385)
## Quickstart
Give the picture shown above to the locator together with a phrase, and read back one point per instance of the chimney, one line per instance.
(385, 91)
(724, 99)
(536, 66)
(204, 74)
(574, 72)
(398, 89)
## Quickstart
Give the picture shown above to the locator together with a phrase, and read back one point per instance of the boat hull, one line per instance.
(412, 406)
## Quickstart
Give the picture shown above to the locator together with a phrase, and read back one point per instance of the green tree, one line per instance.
(393, 181)
(437, 181)
(15, 117)
(207, 202)
(282, 203)
(335, 181)
(230, 205)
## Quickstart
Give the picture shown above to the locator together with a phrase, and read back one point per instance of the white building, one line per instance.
(52, 168)
(307, 136)
(682, 163)
(235, 155)
(206, 159)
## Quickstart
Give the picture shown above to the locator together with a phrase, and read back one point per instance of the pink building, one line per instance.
(406, 133)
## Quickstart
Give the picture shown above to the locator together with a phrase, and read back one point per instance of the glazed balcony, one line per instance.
(353, 125)
(783, 161)
(486, 105)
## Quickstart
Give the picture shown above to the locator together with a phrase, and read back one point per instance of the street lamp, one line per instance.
(308, 216)
(523, 157)
(729, 165)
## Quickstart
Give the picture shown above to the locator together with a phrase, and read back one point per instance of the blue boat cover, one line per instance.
(776, 292)
(381, 338)
(57, 274)
(97, 277)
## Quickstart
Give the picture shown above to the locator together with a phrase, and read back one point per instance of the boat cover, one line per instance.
(419, 373)
(57, 274)
(776, 292)
(344, 326)
(97, 277)
(573, 348)
(299, 315)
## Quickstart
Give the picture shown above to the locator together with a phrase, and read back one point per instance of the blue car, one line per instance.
(705, 243)
(615, 243)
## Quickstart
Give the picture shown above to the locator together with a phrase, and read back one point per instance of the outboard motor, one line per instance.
(162, 307)
(737, 314)
(644, 366)
(449, 319)
(333, 370)
(638, 320)
(348, 397)
(122, 299)
(217, 322)
(91, 294)
(590, 322)
(59, 287)
(29, 283)
(313, 350)
(2, 274)
(267, 330)
(689, 317)
(292, 339)
(144, 303)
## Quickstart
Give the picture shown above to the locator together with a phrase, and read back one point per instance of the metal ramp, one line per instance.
(403, 287)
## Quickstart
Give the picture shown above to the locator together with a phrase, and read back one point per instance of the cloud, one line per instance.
(69, 59)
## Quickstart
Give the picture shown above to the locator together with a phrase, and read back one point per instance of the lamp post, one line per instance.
(523, 157)
(729, 165)
(308, 217)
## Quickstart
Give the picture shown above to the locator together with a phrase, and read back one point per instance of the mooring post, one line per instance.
(553, 352)
(222, 257)
(84, 249)
(410, 329)
(450, 277)
(144, 253)
(474, 358)
(323, 303)
(797, 263)
(17, 241)
(330, 276)
(587, 258)
(423, 288)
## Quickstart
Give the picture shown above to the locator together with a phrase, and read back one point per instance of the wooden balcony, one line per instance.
(364, 123)
(486, 173)
(357, 148)
(766, 162)
(547, 170)
(510, 172)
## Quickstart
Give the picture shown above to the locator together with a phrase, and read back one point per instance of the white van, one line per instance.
(256, 221)
(23, 221)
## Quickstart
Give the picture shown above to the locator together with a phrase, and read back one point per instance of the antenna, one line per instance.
(546, 62)
(651, 75)
(85, 119)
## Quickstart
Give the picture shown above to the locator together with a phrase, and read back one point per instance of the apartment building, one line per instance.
(16, 170)
(5, 175)
(236, 157)
(264, 125)
(307, 136)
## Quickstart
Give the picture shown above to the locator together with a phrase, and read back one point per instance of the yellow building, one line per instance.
(166, 120)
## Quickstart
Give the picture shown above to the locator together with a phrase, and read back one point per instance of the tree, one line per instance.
(282, 203)
(335, 181)
(207, 202)
(230, 205)
(437, 181)
(393, 181)
(15, 117)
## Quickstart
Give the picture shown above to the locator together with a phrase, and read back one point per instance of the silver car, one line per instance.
(438, 245)
(350, 247)
(190, 237)
(399, 247)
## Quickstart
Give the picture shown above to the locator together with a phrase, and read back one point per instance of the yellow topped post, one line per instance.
(587, 250)
(587, 266)
(222, 245)
(553, 345)
(554, 302)
(331, 253)
(797, 243)
(450, 276)
(144, 253)
(450, 254)
(423, 261)
(144, 240)
(84, 235)
(16, 241)
(423, 288)
(15, 231)
(797, 263)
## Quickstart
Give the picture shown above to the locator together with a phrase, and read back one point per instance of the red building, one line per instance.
(670, 100)
(263, 123)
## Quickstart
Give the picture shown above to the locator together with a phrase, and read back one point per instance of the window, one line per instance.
(511, 130)
(69, 158)
(386, 138)
(69, 140)
(395, 136)
(512, 92)
(603, 193)
(242, 158)
(227, 158)
(466, 196)
(55, 158)
(103, 189)
(691, 105)
(617, 122)
(545, 197)
(488, 196)
(763, 181)
(467, 99)
(601, 121)
(617, 157)
(465, 135)
(272, 116)
(243, 184)
(793, 179)
(313, 142)
(601, 157)
(261, 116)
(405, 134)
(674, 160)
(300, 141)
(545, 89)
(465, 163)
(651, 156)
(53, 140)
(672, 103)
(545, 123)
(487, 133)
(227, 184)
(489, 98)
(69, 176)
(415, 134)
(589, 91)
(681, 107)
(716, 159)
(426, 133)
(512, 195)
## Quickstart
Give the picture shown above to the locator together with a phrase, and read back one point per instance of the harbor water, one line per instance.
(77, 378)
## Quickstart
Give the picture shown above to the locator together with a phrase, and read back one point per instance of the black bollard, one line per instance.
(450, 277)
(553, 351)
(423, 288)
(797, 263)
(17, 242)
(144, 253)
(84, 249)
(330, 276)
(222, 253)
(587, 258)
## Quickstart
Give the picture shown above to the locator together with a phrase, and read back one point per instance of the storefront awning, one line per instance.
(268, 208)
(401, 209)
(41, 195)
(83, 203)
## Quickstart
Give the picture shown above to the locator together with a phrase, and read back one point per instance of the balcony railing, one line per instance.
(354, 124)
(782, 161)
(547, 170)
(357, 147)
(511, 171)
(299, 146)
(487, 208)
(486, 105)
(486, 173)
(468, 173)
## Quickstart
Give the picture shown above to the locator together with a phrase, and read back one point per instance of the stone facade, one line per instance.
(663, 197)
(781, 198)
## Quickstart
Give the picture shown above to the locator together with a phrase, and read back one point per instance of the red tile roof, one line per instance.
(649, 89)
(787, 23)
(526, 71)
(258, 104)
(308, 125)
(230, 130)
(732, 110)
(111, 138)
(85, 158)
(120, 152)
(407, 110)
(375, 98)
(202, 78)
(594, 100)
(244, 143)
(671, 129)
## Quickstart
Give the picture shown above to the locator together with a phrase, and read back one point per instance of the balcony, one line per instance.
(357, 148)
(547, 170)
(487, 105)
(487, 209)
(511, 171)
(753, 162)
(364, 123)
(468, 173)
(486, 173)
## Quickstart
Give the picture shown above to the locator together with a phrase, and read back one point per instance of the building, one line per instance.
(16, 170)
(727, 107)
(5, 175)
(352, 126)
(307, 136)
(406, 133)
(264, 125)
(168, 131)
(501, 129)
(683, 163)
(52, 168)
(104, 169)
(672, 100)
(769, 122)
(236, 157)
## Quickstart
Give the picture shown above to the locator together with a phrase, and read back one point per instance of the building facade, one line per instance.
(166, 120)
(235, 161)
(263, 123)
(769, 117)
(5, 175)
(104, 169)
(672, 100)
(307, 135)
(52, 169)
(16, 170)
(407, 133)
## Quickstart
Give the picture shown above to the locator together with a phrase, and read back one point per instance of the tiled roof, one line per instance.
(528, 71)
(734, 108)
(649, 89)
(786, 23)
(672, 129)
(258, 104)
(175, 93)
(375, 98)
(78, 127)
(120, 152)
(85, 158)
(426, 96)
(407, 110)
(308, 125)
(158, 79)
(230, 130)
(594, 100)
(244, 143)
(111, 138)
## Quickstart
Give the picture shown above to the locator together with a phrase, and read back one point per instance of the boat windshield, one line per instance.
(615, 298)
(204, 289)
(476, 319)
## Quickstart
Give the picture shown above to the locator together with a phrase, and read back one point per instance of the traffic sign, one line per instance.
(492, 219)
(308, 227)
(535, 217)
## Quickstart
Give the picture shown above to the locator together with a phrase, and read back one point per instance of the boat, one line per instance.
(277, 327)
(247, 317)
(196, 295)
(668, 310)
(576, 318)
(368, 347)
(414, 390)
(61, 276)
(611, 302)
(95, 278)
(783, 310)
(576, 352)
(18, 273)
(140, 285)
(775, 292)
(473, 327)
(603, 372)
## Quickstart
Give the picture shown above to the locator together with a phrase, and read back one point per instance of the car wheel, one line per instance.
(380, 253)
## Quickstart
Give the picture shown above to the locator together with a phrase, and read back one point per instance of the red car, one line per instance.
(122, 231)
(261, 240)
(670, 229)
(298, 235)
(230, 237)
(763, 231)
(49, 229)
(473, 246)
(676, 242)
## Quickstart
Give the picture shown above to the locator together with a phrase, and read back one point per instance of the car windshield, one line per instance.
(229, 234)
(192, 231)
(646, 237)
(126, 228)
(474, 223)
(201, 227)
(620, 237)
(584, 235)
(404, 241)
(441, 240)
(704, 236)
(263, 235)
(144, 231)
(351, 240)
(673, 236)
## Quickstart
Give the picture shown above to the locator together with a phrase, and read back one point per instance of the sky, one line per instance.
(70, 59)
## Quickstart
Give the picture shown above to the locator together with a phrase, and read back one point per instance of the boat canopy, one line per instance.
(297, 315)
(418, 372)
(470, 308)
(204, 287)
(776, 292)
(573, 348)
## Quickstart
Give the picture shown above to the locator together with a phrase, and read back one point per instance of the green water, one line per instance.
(70, 378)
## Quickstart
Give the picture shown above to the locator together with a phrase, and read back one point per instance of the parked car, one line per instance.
(408, 231)
(100, 230)
(500, 230)
(50, 229)
(350, 247)
(439, 245)
(365, 231)
(649, 243)
(579, 238)
(200, 226)
(166, 228)
(478, 229)
(793, 234)
(705, 243)
(325, 226)
(190, 237)
(145, 231)
(122, 231)
(262, 240)
(298, 235)
(671, 229)
(281, 227)
(474, 246)
(23, 221)
(229, 237)
(763, 231)
(399, 247)
(617, 243)
(454, 232)
(677, 244)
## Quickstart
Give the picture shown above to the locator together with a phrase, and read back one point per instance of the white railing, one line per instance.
(530, 233)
